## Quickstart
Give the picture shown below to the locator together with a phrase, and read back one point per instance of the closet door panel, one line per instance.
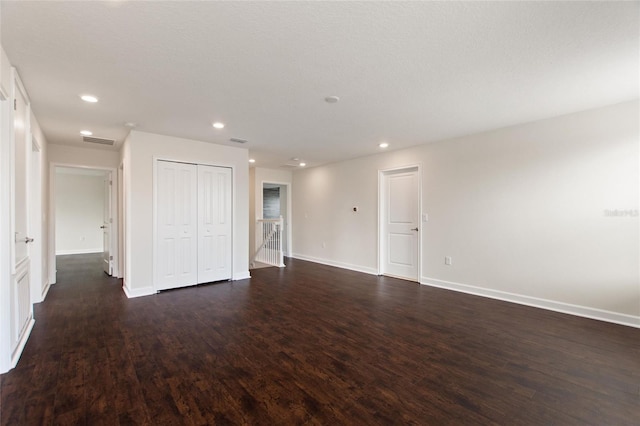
(177, 225)
(214, 223)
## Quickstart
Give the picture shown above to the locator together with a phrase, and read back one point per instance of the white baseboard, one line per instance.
(241, 276)
(565, 308)
(23, 341)
(79, 251)
(138, 292)
(357, 268)
(45, 290)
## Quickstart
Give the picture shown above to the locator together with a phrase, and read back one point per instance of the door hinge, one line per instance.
(15, 104)
(110, 257)
(110, 182)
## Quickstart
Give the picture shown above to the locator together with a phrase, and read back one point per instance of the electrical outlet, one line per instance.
(447, 260)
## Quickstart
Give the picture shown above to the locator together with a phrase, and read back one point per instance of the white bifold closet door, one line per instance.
(193, 214)
(214, 223)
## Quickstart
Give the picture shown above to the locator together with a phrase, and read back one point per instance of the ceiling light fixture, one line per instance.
(89, 98)
(331, 99)
(86, 132)
(384, 145)
(251, 160)
(218, 125)
(303, 164)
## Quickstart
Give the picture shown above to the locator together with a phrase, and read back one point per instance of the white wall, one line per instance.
(79, 212)
(521, 211)
(258, 176)
(88, 157)
(138, 155)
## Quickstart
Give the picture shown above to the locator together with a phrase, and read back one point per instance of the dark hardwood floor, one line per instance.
(311, 344)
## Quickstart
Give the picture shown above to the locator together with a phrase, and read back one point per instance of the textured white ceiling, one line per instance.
(407, 72)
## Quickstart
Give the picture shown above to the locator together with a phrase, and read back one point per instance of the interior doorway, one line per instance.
(399, 226)
(276, 201)
(84, 217)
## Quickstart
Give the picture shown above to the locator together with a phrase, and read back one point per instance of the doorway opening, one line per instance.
(275, 203)
(399, 228)
(84, 215)
(273, 225)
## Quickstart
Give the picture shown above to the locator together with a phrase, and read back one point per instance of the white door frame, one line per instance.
(121, 224)
(381, 205)
(38, 286)
(52, 215)
(154, 239)
(289, 212)
(5, 228)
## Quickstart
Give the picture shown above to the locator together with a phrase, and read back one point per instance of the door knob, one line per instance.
(414, 229)
(28, 240)
(102, 227)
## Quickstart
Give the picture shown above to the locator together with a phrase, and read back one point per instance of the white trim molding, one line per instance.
(551, 305)
(138, 292)
(241, 276)
(45, 290)
(349, 266)
(15, 356)
(80, 251)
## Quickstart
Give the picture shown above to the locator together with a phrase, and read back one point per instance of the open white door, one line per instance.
(107, 257)
(400, 213)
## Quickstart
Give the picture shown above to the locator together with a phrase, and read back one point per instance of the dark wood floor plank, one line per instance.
(312, 344)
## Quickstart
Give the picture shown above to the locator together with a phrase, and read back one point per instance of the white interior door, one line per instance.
(107, 263)
(176, 216)
(214, 223)
(21, 308)
(400, 217)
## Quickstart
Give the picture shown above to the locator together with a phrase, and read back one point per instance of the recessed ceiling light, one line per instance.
(251, 160)
(86, 132)
(218, 125)
(383, 145)
(303, 164)
(89, 98)
(331, 99)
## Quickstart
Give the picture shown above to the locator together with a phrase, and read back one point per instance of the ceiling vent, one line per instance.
(101, 141)
(289, 166)
(237, 140)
